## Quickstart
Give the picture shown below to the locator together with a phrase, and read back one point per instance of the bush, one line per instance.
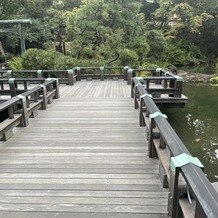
(16, 64)
(214, 80)
(34, 59)
(128, 57)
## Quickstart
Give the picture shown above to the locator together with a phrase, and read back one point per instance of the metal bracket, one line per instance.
(126, 68)
(48, 79)
(22, 98)
(182, 160)
(70, 71)
(145, 95)
(77, 68)
(179, 78)
(9, 73)
(141, 80)
(39, 73)
(158, 70)
(44, 87)
(156, 114)
(130, 70)
(166, 73)
(11, 80)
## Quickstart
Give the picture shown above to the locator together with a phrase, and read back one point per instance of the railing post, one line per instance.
(56, 86)
(199, 213)
(157, 74)
(136, 96)
(70, 77)
(25, 116)
(132, 88)
(151, 147)
(102, 73)
(129, 76)
(44, 97)
(175, 165)
(142, 109)
(78, 72)
(152, 153)
(125, 69)
(12, 87)
(178, 87)
(39, 74)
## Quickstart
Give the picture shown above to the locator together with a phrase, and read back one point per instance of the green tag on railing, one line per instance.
(156, 114)
(182, 160)
(179, 78)
(145, 95)
(70, 71)
(126, 68)
(22, 98)
(9, 73)
(102, 68)
(39, 73)
(158, 70)
(11, 80)
(130, 70)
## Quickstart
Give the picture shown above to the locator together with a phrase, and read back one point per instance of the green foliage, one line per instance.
(128, 57)
(156, 42)
(214, 80)
(34, 59)
(104, 31)
(16, 64)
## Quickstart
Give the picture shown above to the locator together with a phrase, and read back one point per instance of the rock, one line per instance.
(195, 77)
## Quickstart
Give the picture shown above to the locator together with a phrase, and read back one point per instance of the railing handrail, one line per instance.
(201, 187)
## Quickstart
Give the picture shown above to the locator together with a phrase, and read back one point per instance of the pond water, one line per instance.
(197, 125)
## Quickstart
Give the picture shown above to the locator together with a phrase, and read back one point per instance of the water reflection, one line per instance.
(197, 125)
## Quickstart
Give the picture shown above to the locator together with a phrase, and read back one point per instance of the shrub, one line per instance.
(16, 63)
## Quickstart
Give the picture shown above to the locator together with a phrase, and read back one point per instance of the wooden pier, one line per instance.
(89, 153)
(83, 157)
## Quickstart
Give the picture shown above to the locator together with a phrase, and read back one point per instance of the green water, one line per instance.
(197, 125)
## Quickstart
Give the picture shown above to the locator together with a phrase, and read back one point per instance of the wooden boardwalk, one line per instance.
(83, 157)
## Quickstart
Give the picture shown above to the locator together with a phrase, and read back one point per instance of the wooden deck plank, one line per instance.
(85, 156)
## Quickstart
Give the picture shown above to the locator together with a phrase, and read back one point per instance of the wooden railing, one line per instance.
(17, 110)
(71, 76)
(103, 73)
(16, 86)
(165, 82)
(165, 144)
(64, 76)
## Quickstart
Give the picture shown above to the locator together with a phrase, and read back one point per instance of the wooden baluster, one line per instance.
(56, 86)
(136, 95)
(44, 97)
(11, 112)
(178, 89)
(147, 84)
(25, 116)
(199, 213)
(173, 199)
(25, 85)
(141, 110)
(12, 87)
(152, 153)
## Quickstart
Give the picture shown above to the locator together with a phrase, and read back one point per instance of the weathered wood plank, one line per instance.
(85, 193)
(77, 215)
(85, 156)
